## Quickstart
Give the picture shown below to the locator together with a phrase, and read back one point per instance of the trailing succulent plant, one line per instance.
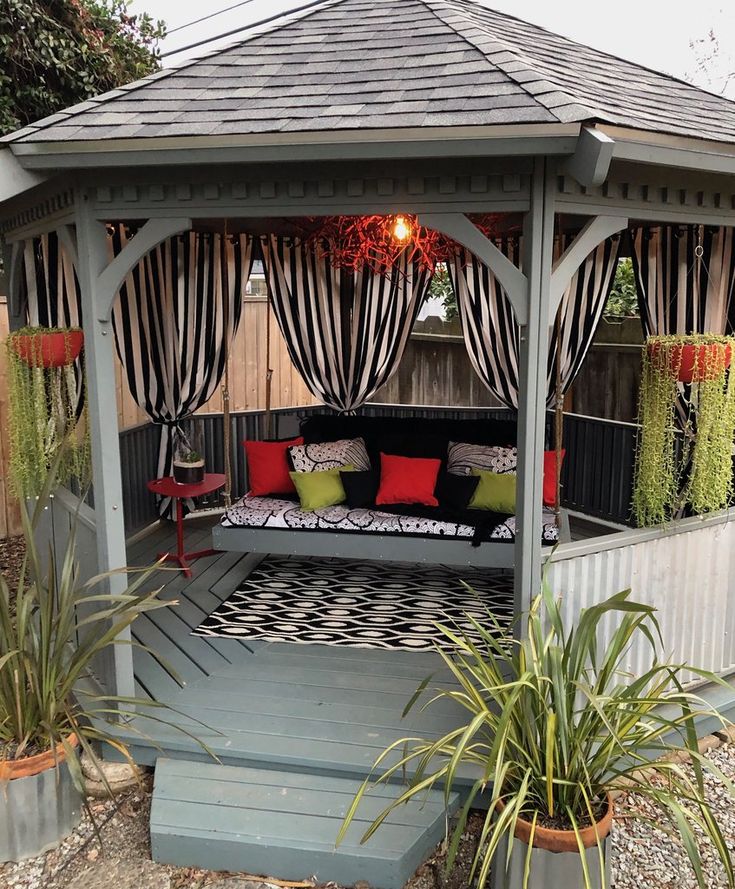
(46, 413)
(687, 422)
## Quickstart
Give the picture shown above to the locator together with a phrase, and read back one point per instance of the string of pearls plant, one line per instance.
(46, 414)
(686, 413)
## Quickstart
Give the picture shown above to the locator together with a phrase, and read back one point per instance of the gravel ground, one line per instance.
(642, 856)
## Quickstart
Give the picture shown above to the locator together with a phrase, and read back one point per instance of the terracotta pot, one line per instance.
(696, 362)
(564, 840)
(56, 349)
(34, 765)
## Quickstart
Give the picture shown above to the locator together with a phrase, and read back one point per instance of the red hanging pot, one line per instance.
(695, 362)
(54, 349)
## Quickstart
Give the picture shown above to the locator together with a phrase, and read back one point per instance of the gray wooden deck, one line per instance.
(306, 708)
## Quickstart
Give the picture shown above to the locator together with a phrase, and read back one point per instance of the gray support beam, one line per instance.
(538, 242)
(102, 408)
(462, 230)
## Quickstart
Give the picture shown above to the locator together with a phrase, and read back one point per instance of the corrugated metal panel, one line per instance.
(689, 577)
(38, 812)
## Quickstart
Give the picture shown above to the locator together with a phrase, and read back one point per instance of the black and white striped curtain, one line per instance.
(679, 292)
(174, 321)
(345, 331)
(492, 334)
(49, 291)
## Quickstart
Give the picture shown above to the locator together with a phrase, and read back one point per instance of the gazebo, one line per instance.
(442, 110)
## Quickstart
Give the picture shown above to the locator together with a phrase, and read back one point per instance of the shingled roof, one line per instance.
(375, 64)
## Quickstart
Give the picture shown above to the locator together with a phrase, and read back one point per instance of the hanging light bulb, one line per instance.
(401, 229)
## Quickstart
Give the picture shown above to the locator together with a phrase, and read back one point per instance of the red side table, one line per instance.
(169, 487)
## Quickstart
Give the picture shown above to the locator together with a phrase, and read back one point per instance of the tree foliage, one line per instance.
(622, 302)
(55, 53)
(623, 299)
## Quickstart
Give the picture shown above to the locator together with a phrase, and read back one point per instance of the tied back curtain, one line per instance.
(345, 331)
(679, 293)
(492, 334)
(174, 321)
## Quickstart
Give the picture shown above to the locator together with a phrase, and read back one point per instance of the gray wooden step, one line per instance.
(284, 824)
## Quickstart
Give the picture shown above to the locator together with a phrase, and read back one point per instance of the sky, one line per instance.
(655, 33)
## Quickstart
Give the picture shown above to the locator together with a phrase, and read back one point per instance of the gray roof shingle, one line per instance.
(361, 64)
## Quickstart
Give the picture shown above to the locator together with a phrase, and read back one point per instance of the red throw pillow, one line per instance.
(407, 480)
(268, 467)
(550, 477)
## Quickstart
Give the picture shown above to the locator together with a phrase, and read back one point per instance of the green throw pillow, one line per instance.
(495, 491)
(319, 489)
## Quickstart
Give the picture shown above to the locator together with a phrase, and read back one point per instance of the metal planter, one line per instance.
(37, 813)
(548, 869)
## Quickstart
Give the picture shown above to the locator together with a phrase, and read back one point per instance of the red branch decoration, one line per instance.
(378, 242)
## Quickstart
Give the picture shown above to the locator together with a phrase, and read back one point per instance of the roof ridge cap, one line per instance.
(538, 98)
(254, 29)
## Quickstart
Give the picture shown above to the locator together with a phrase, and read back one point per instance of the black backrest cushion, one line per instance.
(407, 436)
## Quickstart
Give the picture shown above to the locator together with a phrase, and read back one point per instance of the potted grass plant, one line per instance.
(684, 447)
(53, 627)
(555, 727)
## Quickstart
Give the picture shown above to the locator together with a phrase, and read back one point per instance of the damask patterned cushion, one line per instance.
(330, 455)
(462, 458)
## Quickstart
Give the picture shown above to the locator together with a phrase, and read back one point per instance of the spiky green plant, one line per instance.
(43, 420)
(554, 724)
(53, 627)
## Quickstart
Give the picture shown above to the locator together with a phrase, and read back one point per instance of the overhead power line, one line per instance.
(211, 15)
(271, 18)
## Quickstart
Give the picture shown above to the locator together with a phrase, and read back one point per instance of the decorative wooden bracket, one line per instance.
(14, 260)
(595, 231)
(510, 277)
(68, 239)
(113, 275)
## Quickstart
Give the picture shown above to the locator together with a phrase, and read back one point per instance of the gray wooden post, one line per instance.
(92, 257)
(538, 241)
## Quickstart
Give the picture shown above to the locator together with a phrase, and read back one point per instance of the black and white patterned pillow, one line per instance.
(462, 458)
(330, 455)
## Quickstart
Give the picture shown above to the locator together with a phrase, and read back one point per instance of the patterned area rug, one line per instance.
(359, 604)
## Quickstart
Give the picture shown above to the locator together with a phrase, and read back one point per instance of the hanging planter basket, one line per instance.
(47, 348)
(692, 362)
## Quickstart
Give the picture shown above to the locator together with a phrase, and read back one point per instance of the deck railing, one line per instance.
(596, 476)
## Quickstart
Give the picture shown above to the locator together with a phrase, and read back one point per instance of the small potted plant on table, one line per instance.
(188, 460)
(554, 729)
